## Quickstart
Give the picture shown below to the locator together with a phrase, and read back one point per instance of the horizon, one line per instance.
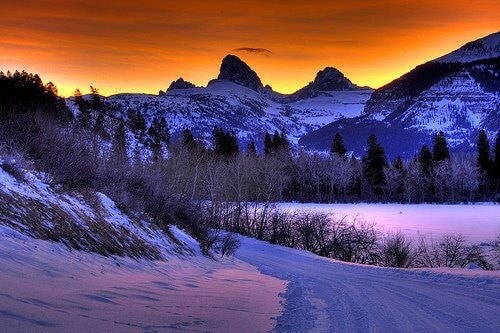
(141, 48)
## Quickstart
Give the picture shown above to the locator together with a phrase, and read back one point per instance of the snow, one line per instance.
(44, 286)
(484, 48)
(478, 223)
(324, 295)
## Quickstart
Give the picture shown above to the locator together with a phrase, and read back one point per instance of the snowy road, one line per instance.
(328, 296)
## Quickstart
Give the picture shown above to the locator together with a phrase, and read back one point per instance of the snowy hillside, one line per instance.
(89, 222)
(238, 101)
(484, 48)
(456, 98)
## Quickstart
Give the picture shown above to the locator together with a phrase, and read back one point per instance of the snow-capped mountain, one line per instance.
(237, 100)
(458, 98)
(483, 48)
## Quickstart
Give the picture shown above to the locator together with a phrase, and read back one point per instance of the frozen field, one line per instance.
(480, 222)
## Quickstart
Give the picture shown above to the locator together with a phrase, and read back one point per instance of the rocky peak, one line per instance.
(237, 71)
(180, 84)
(331, 79)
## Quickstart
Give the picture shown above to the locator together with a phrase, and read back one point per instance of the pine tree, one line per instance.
(440, 150)
(120, 143)
(496, 161)
(225, 143)
(338, 148)
(136, 121)
(95, 101)
(374, 162)
(425, 160)
(159, 135)
(268, 144)
(84, 116)
(251, 149)
(188, 139)
(484, 162)
(99, 127)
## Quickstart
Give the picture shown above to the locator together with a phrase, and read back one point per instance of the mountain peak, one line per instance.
(482, 48)
(180, 83)
(237, 71)
(328, 79)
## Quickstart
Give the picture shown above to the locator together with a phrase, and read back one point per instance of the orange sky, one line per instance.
(141, 46)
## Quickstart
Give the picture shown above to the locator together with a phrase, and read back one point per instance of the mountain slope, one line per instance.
(458, 98)
(483, 48)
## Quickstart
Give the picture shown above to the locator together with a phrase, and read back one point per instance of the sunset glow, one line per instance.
(141, 46)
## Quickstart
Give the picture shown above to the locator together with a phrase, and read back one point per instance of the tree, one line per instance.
(425, 160)
(84, 117)
(251, 149)
(374, 162)
(440, 149)
(187, 139)
(136, 121)
(120, 143)
(95, 101)
(496, 162)
(268, 144)
(426, 164)
(338, 148)
(159, 135)
(225, 143)
(99, 128)
(483, 153)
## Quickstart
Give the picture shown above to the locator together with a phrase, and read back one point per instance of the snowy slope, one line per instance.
(249, 113)
(483, 48)
(458, 98)
(238, 101)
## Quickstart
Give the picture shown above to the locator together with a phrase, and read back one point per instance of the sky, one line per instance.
(141, 46)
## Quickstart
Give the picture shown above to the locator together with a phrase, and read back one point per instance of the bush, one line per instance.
(398, 251)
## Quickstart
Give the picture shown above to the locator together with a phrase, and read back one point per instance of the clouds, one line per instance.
(254, 50)
(140, 46)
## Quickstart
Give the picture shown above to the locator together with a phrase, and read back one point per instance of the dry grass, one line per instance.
(49, 221)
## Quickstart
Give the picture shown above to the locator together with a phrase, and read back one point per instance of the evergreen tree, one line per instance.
(268, 144)
(425, 160)
(99, 127)
(401, 171)
(188, 139)
(496, 161)
(251, 149)
(136, 121)
(159, 135)
(338, 148)
(225, 143)
(120, 143)
(95, 101)
(483, 153)
(374, 162)
(440, 150)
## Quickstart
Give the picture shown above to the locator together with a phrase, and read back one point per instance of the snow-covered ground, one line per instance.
(44, 287)
(324, 295)
(478, 222)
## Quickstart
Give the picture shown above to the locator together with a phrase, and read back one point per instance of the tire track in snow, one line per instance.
(335, 296)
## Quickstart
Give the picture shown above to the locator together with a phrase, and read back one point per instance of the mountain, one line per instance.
(483, 48)
(235, 70)
(457, 97)
(328, 79)
(237, 100)
(180, 84)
